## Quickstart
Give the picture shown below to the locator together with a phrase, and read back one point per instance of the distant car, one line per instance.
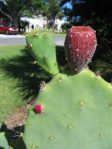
(8, 28)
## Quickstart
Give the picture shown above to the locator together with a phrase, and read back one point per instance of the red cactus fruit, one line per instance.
(38, 108)
(80, 45)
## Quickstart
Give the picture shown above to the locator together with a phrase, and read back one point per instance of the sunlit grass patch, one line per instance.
(10, 95)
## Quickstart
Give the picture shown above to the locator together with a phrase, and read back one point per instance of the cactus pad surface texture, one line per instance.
(77, 114)
(3, 142)
(43, 49)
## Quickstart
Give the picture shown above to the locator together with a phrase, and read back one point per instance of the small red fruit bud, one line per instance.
(38, 108)
(80, 45)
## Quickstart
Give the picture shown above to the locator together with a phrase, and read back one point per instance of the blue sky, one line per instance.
(67, 5)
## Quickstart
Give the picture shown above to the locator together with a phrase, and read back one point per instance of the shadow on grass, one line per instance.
(29, 75)
(26, 71)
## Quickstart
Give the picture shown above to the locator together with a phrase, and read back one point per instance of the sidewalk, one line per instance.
(11, 36)
(21, 40)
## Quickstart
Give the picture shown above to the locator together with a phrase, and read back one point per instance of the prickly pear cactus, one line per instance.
(76, 114)
(3, 142)
(43, 49)
(80, 46)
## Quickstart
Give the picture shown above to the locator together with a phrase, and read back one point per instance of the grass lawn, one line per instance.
(10, 95)
(17, 83)
(20, 78)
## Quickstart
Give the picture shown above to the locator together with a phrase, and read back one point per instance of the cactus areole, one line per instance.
(80, 46)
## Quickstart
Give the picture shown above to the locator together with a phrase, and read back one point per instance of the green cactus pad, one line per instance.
(43, 49)
(77, 114)
(3, 142)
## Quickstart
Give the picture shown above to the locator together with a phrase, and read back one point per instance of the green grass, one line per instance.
(20, 78)
(10, 95)
(15, 84)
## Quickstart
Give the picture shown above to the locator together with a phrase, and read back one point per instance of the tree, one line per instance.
(17, 8)
(52, 9)
(3, 10)
(67, 10)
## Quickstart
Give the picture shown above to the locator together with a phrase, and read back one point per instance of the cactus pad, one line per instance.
(77, 114)
(3, 142)
(43, 49)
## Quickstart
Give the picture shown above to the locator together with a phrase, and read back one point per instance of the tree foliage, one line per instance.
(52, 9)
(18, 8)
(97, 13)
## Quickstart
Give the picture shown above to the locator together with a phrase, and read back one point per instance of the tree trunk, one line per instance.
(15, 17)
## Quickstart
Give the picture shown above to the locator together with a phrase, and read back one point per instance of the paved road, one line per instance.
(59, 39)
(21, 40)
(12, 40)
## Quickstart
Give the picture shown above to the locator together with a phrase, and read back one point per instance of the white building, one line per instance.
(38, 22)
(58, 25)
